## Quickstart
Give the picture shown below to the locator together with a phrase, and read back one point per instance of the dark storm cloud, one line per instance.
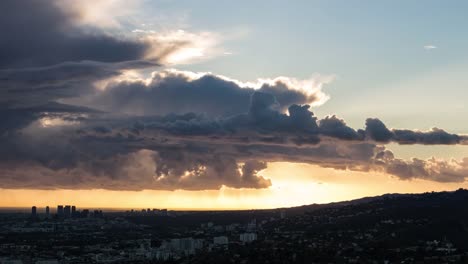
(30, 86)
(179, 92)
(195, 152)
(45, 55)
(38, 33)
(76, 147)
(14, 119)
(376, 130)
(334, 127)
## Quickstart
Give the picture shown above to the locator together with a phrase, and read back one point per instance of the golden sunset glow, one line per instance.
(302, 184)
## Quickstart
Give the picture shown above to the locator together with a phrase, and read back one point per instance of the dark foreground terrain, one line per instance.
(393, 228)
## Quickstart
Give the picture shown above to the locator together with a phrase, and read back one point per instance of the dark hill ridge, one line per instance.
(420, 199)
(392, 228)
(431, 205)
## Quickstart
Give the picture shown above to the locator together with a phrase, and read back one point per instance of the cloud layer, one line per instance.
(76, 113)
(60, 146)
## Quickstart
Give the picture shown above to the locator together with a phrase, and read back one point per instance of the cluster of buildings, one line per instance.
(66, 211)
(149, 211)
(69, 235)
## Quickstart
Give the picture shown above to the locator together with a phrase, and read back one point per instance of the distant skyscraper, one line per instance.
(73, 211)
(97, 214)
(34, 211)
(67, 211)
(85, 213)
(60, 210)
(47, 212)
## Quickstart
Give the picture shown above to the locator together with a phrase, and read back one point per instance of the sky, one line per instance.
(229, 105)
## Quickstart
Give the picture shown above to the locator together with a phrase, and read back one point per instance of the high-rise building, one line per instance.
(60, 210)
(67, 211)
(34, 211)
(85, 213)
(73, 211)
(47, 212)
(97, 214)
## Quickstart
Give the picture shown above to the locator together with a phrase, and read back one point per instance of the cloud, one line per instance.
(103, 13)
(43, 33)
(376, 130)
(29, 86)
(213, 131)
(38, 33)
(172, 91)
(429, 47)
(431, 169)
(47, 55)
(193, 47)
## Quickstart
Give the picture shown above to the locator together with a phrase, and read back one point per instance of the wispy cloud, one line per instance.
(429, 47)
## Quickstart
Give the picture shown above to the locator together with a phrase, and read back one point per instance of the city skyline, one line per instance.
(390, 228)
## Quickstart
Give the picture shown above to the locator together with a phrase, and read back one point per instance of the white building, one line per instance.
(248, 237)
(221, 240)
(186, 245)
